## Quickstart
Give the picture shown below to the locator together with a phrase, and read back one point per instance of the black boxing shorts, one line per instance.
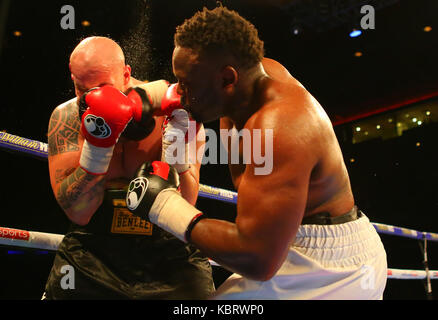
(119, 256)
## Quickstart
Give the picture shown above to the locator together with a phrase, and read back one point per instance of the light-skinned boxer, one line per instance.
(97, 141)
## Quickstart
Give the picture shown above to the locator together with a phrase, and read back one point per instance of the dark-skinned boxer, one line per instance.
(96, 143)
(298, 233)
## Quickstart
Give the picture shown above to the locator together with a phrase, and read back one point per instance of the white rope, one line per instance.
(411, 274)
(30, 239)
(50, 241)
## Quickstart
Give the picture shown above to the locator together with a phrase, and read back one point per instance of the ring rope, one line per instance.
(50, 241)
(40, 150)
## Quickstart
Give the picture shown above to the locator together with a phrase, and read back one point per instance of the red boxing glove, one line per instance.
(171, 101)
(109, 111)
(179, 131)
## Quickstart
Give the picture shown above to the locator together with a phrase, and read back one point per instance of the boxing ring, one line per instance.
(48, 241)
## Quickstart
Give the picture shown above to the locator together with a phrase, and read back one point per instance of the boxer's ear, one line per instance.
(127, 74)
(229, 77)
(71, 73)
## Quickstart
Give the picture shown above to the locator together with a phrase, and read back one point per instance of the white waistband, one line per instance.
(339, 245)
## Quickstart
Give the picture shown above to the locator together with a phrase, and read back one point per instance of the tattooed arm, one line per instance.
(78, 193)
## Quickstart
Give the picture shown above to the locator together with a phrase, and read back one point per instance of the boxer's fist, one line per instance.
(150, 180)
(143, 123)
(153, 196)
(175, 141)
(171, 100)
(108, 112)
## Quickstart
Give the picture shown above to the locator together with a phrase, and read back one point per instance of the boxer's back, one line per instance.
(291, 111)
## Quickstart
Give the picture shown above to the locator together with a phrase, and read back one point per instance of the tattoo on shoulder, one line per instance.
(63, 134)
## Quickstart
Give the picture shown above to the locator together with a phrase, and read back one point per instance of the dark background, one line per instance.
(393, 182)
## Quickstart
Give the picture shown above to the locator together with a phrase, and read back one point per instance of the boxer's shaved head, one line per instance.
(97, 61)
(96, 54)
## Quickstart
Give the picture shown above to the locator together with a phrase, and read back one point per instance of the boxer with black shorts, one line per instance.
(298, 233)
(96, 145)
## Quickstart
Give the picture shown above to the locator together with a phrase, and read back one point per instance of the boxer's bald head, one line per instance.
(97, 61)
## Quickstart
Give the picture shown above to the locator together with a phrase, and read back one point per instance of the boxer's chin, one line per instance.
(204, 118)
(194, 115)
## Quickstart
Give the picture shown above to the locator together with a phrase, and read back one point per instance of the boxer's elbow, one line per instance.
(81, 218)
(258, 266)
(269, 261)
(80, 212)
(80, 221)
(261, 270)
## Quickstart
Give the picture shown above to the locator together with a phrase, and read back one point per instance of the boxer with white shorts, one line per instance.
(297, 233)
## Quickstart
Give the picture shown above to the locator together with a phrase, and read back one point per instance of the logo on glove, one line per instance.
(136, 191)
(97, 127)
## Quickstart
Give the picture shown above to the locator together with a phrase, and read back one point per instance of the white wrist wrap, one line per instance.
(156, 91)
(174, 145)
(94, 159)
(176, 154)
(173, 213)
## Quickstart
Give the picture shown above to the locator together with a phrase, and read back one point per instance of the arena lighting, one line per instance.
(355, 33)
(295, 28)
(427, 113)
(378, 127)
(357, 129)
(414, 119)
(15, 252)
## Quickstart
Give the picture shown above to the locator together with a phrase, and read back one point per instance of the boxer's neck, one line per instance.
(249, 96)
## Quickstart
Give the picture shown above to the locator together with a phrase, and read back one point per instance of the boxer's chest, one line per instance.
(234, 143)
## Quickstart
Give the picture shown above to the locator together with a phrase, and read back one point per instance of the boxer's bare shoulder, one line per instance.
(64, 126)
(275, 69)
(304, 135)
(289, 110)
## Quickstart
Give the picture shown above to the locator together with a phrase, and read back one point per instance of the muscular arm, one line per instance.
(134, 82)
(78, 193)
(269, 210)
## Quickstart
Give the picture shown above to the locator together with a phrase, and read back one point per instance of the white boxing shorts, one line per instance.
(326, 262)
